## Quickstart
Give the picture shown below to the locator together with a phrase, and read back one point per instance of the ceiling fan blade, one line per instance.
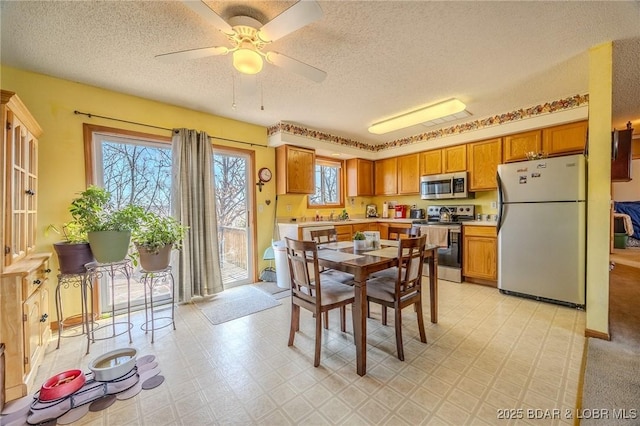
(296, 66)
(297, 16)
(186, 55)
(209, 15)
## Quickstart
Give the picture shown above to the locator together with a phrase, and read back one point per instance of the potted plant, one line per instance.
(108, 229)
(359, 241)
(74, 252)
(156, 236)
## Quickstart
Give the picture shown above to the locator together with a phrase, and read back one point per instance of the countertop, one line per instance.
(374, 220)
(345, 222)
(481, 223)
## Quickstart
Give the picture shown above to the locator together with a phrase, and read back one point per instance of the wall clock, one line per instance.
(264, 174)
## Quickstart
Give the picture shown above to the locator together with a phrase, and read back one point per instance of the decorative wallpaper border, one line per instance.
(520, 114)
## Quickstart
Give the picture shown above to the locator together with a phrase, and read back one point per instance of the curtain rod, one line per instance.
(88, 114)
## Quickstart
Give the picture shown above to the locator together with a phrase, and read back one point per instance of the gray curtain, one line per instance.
(198, 268)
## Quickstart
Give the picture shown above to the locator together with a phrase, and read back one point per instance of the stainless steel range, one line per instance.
(443, 227)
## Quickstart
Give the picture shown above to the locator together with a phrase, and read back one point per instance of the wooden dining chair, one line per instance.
(331, 236)
(313, 291)
(395, 233)
(404, 289)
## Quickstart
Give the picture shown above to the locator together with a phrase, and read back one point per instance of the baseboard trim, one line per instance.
(481, 281)
(597, 334)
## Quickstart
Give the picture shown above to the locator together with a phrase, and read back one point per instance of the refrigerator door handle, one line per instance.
(500, 203)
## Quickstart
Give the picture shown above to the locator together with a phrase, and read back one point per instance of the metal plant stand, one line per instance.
(111, 271)
(151, 281)
(86, 317)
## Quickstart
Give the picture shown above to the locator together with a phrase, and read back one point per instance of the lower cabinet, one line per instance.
(345, 232)
(480, 253)
(25, 321)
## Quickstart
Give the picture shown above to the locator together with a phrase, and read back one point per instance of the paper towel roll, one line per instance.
(385, 210)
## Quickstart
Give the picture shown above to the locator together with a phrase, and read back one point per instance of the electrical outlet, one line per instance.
(494, 205)
(352, 201)
(289, 207)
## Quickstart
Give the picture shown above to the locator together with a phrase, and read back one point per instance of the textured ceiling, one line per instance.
(382, 57)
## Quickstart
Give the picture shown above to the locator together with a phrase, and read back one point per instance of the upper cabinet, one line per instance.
(295, 170)
(386, 176)
(359, 177)
(409, 174)
(565, 139)
(483, 160)
(516, 146)
(454, 159)
(621, 164)
(431, 162)
(19, 178)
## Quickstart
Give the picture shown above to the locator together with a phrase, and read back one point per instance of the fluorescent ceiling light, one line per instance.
(445, 119)
(432, 112)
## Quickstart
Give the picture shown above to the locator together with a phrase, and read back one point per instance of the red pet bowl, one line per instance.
(62, 385)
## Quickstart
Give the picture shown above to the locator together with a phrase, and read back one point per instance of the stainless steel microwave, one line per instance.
(444, 186)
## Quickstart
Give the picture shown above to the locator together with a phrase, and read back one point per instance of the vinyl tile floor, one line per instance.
(491, 359)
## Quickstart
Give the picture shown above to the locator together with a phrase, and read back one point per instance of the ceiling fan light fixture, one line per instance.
(247, 61)
(429, 113)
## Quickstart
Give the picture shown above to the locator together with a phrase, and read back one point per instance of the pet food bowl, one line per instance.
(62, 385)
(114, 364)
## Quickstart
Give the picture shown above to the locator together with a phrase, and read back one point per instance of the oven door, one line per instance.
(450, 257)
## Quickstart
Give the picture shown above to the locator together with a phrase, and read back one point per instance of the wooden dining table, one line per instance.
(362, 263)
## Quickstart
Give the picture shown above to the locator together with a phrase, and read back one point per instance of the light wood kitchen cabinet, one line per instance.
(409, 174)
(25, 321)
(565, 139)
(369, 226)
(24, 318)
(386, 176)
(483, 161)
(516, 146)
(359, 177)
(480, 252)
(431, 162)
(345, 232)
(454, 159)
(19, 178)
(295, 170)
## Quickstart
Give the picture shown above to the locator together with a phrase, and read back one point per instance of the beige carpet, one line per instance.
(236, 303)
(612, 369)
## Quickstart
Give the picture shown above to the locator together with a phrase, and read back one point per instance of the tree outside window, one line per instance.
(328, 184)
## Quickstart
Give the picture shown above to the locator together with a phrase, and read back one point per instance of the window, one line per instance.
(328, 184)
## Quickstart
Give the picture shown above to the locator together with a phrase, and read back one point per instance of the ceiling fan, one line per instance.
(249, 37)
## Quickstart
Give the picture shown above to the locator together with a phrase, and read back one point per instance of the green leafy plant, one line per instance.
(358, 236)
(156, 231)
(93, 212)
(72, 232)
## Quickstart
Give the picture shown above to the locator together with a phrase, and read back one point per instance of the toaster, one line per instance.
(416, 213)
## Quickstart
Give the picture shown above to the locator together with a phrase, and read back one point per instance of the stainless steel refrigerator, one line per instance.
(542, 229)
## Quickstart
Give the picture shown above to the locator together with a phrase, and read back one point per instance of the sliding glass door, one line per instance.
(231, 170)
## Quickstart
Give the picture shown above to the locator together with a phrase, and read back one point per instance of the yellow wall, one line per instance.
(61, 166)
(599, 187)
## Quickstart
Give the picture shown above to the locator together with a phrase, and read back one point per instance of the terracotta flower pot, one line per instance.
(151, 261)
